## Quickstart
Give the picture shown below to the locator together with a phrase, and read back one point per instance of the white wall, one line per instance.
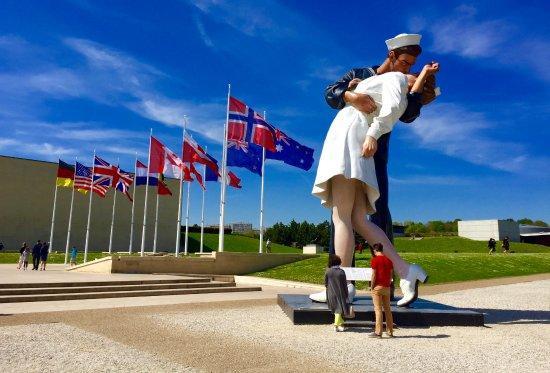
(482, 230)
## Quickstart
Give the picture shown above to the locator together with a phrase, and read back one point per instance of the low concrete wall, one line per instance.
(225, 263)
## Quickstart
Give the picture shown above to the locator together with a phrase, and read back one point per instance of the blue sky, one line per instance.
(81, 75)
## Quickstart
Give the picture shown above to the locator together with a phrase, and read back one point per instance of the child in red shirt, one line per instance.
(382, 269)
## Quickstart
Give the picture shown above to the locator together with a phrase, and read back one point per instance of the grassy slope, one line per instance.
(459, 244)
(441, 267)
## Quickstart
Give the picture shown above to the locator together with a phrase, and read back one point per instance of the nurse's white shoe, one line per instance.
(320, 297)
(409, 284)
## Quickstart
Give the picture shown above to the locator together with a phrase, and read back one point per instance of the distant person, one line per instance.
(74, 253)
(21, 251)
(492, 245)
(337, 292)
(382, 272)
(36, 255)
(1, 246)
(359, 247)
(268, 246)
(506, 245)
(44, 250)
(26, 254)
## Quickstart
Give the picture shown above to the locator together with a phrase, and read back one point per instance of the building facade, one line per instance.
(483, 230)
(26, 201)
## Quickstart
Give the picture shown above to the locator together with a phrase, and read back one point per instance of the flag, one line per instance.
(124, 182)
(193, 152)
(197, 174)
(83, 181)
(65, 175)
(247, 133)
(164, 161)
(104, 176)
(141, 175)
(162, 188)
(247, 126)
(232, 179)
(291, 152)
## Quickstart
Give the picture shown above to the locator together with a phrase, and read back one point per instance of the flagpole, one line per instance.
(156, 221)
(262, 201)
(113, 215)
(70, 217)
(224, 175)
(146, 194)
(89, 212)
(180, 191)
(202, 206)
(133, 205)
(53, 212)
(186, 247)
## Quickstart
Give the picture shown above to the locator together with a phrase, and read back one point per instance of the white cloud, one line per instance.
(431, 180)
(202, 31)
(461, 133)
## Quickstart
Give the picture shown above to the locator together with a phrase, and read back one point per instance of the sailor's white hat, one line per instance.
(403, 40)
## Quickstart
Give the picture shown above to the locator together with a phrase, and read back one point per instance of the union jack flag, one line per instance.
(124, 181)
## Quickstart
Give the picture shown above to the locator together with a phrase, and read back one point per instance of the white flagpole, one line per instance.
(202, 207)
(224, 175)
(70, 218)
(146, 195)
(186, 247)
(113, 217)
(180, 191)
(53, 212)
(89, 212)
(262, 201)
(156, 222)
(133, 205)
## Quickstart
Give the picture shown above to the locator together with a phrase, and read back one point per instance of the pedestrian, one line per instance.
(359, 247)
(1, 246)
(382, 269)
(337, 292)
(492, 245)
(44, 255)
(21, 251)
(74, 253)
(26, 254)
(506, 245)
(36, 255)
(268, 246)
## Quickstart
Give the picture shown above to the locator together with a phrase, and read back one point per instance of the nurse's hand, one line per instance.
(370, 145)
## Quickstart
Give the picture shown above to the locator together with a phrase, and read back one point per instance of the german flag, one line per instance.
(65, 175)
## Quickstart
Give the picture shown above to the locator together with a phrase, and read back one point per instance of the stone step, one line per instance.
(99, 283)
(109, 288)
(123, 294)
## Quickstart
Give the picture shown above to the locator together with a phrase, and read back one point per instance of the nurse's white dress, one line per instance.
(343, 145)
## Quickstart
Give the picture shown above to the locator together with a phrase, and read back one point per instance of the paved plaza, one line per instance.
(248, 332)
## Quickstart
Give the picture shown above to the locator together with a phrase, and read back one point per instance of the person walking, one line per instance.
(382, 269)
(21, 251)
(337, 292)
(74, 253)
(506, 245)
(36, 255)
(44, 250)
(492, 245)
(268, 246)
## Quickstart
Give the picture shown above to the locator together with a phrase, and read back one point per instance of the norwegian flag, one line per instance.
(193, 152)
(245, 126)
(124, 182)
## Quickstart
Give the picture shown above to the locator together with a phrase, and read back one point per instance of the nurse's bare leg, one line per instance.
(343, 196)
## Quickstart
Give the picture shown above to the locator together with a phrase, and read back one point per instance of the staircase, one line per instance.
(39, 292)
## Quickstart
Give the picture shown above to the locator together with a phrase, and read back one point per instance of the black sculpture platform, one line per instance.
(302, 310)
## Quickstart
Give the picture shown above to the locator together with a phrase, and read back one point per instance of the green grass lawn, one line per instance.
(59, 258)
(441, 267)
(460, 245)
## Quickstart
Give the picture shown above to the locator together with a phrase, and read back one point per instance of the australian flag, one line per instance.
(291, 152)
(247, 133)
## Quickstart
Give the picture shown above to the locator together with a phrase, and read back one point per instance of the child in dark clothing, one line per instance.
(337, 292)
